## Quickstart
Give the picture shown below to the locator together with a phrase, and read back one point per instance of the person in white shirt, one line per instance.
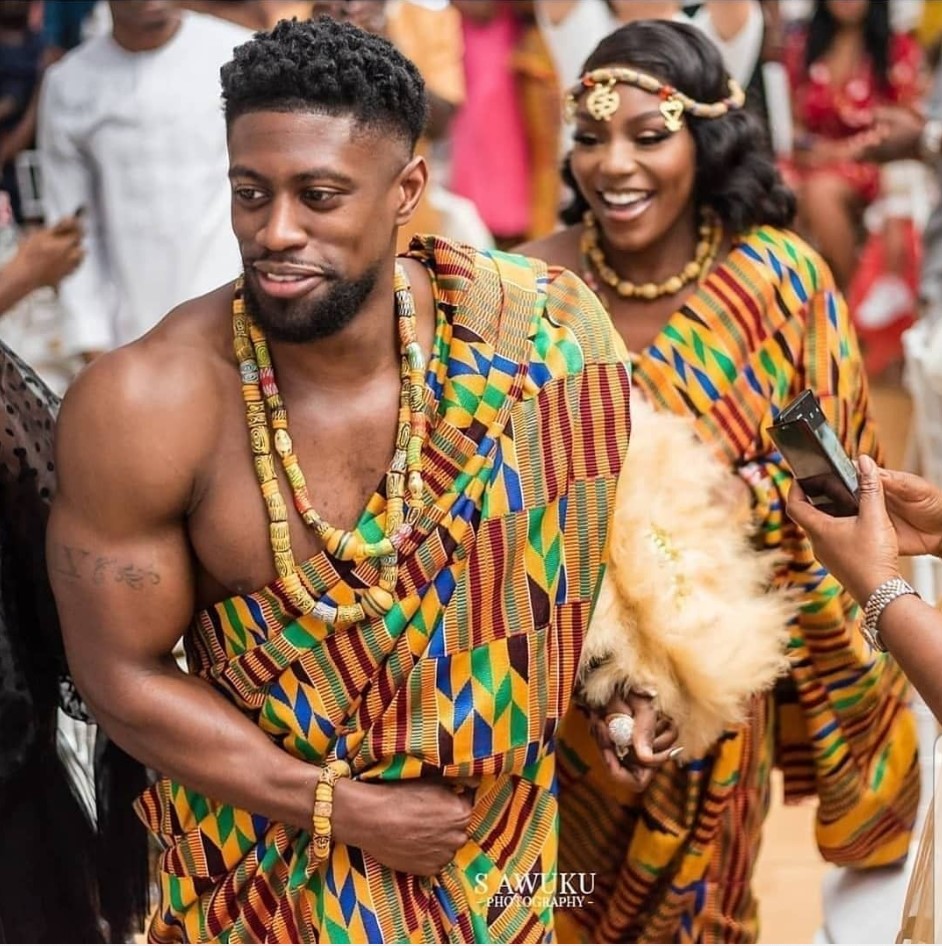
(573, 28)
(131, 132)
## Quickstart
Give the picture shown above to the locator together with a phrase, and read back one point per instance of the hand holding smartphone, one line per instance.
(811, 448)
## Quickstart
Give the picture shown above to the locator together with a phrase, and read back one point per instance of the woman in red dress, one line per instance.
(844, 66)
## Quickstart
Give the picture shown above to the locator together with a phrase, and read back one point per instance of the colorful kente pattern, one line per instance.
(675, 865)
(470, 672)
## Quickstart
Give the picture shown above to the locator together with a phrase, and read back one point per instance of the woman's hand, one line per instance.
(652, 740)
(896, 135)
(915, 507)
(862, 551)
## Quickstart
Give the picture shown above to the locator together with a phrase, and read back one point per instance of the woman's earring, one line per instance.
(673, 111)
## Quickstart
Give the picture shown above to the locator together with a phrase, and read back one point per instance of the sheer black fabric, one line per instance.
(61, 880)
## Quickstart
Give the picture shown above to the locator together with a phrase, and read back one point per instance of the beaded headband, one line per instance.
(603, 99)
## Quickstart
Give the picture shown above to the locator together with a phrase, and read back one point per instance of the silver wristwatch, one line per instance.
(876, 604)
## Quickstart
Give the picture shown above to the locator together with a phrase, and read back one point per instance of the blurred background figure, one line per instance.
(67, 23)
(33, 34)
(505, 139)
(843, 66)
(21, 64)
(540, 95)
(489, 139)
(429, 33)
(130, 132)
(915, 134)
(252, 14)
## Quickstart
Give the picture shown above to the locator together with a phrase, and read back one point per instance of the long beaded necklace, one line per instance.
(260, 391)
(711, 233)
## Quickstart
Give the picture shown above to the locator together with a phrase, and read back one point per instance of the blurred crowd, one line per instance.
(113, 156)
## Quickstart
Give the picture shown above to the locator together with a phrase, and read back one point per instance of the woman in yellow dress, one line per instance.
(680, 223)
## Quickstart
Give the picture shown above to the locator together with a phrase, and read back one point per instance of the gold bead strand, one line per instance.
(279, 535)
(417, 367)
(710, 233)
(259, 391)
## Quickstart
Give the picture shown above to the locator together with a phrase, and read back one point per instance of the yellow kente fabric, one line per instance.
(675, 864)
(471, 671)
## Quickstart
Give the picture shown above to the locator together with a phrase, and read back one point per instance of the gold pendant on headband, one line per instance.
(673, 111)
(603, 101)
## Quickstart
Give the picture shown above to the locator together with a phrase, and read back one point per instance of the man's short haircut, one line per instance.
(331, 68)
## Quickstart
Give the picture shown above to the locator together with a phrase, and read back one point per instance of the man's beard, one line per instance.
(307, 320)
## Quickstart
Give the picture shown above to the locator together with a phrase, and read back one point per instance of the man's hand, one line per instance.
(413, 826)
(652, 739)
(915, 508)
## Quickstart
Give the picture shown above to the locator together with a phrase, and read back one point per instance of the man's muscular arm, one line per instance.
(129, 444)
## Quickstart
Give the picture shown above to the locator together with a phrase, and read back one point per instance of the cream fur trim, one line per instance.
(685, 607)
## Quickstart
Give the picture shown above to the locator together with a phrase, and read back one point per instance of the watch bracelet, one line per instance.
(877, 603)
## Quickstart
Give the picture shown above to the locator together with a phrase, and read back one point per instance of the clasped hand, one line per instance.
(417, 826)
(652, 740)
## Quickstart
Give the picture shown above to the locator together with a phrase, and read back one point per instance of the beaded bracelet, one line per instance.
(321, 826)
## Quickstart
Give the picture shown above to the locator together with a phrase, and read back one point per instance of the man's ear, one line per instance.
(413, 179)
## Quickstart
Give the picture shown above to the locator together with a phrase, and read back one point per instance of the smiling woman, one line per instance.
(678, 223)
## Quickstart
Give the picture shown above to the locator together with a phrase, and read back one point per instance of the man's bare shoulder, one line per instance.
(156, 401)
(173, 367)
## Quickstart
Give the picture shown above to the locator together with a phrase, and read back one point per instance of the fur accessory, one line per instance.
(685, 608)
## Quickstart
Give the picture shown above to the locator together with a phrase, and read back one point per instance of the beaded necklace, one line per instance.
(260, 391)
(711, 233)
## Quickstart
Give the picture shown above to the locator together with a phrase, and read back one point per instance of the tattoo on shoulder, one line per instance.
(80, 564)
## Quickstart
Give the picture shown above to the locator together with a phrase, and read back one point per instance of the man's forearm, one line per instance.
(180, 726)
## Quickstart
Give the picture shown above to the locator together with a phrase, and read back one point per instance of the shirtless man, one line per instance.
(429, 651)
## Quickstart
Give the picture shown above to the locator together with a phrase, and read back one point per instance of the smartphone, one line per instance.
(811, 448)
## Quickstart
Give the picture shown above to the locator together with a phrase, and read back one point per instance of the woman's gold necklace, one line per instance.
(711, 234)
